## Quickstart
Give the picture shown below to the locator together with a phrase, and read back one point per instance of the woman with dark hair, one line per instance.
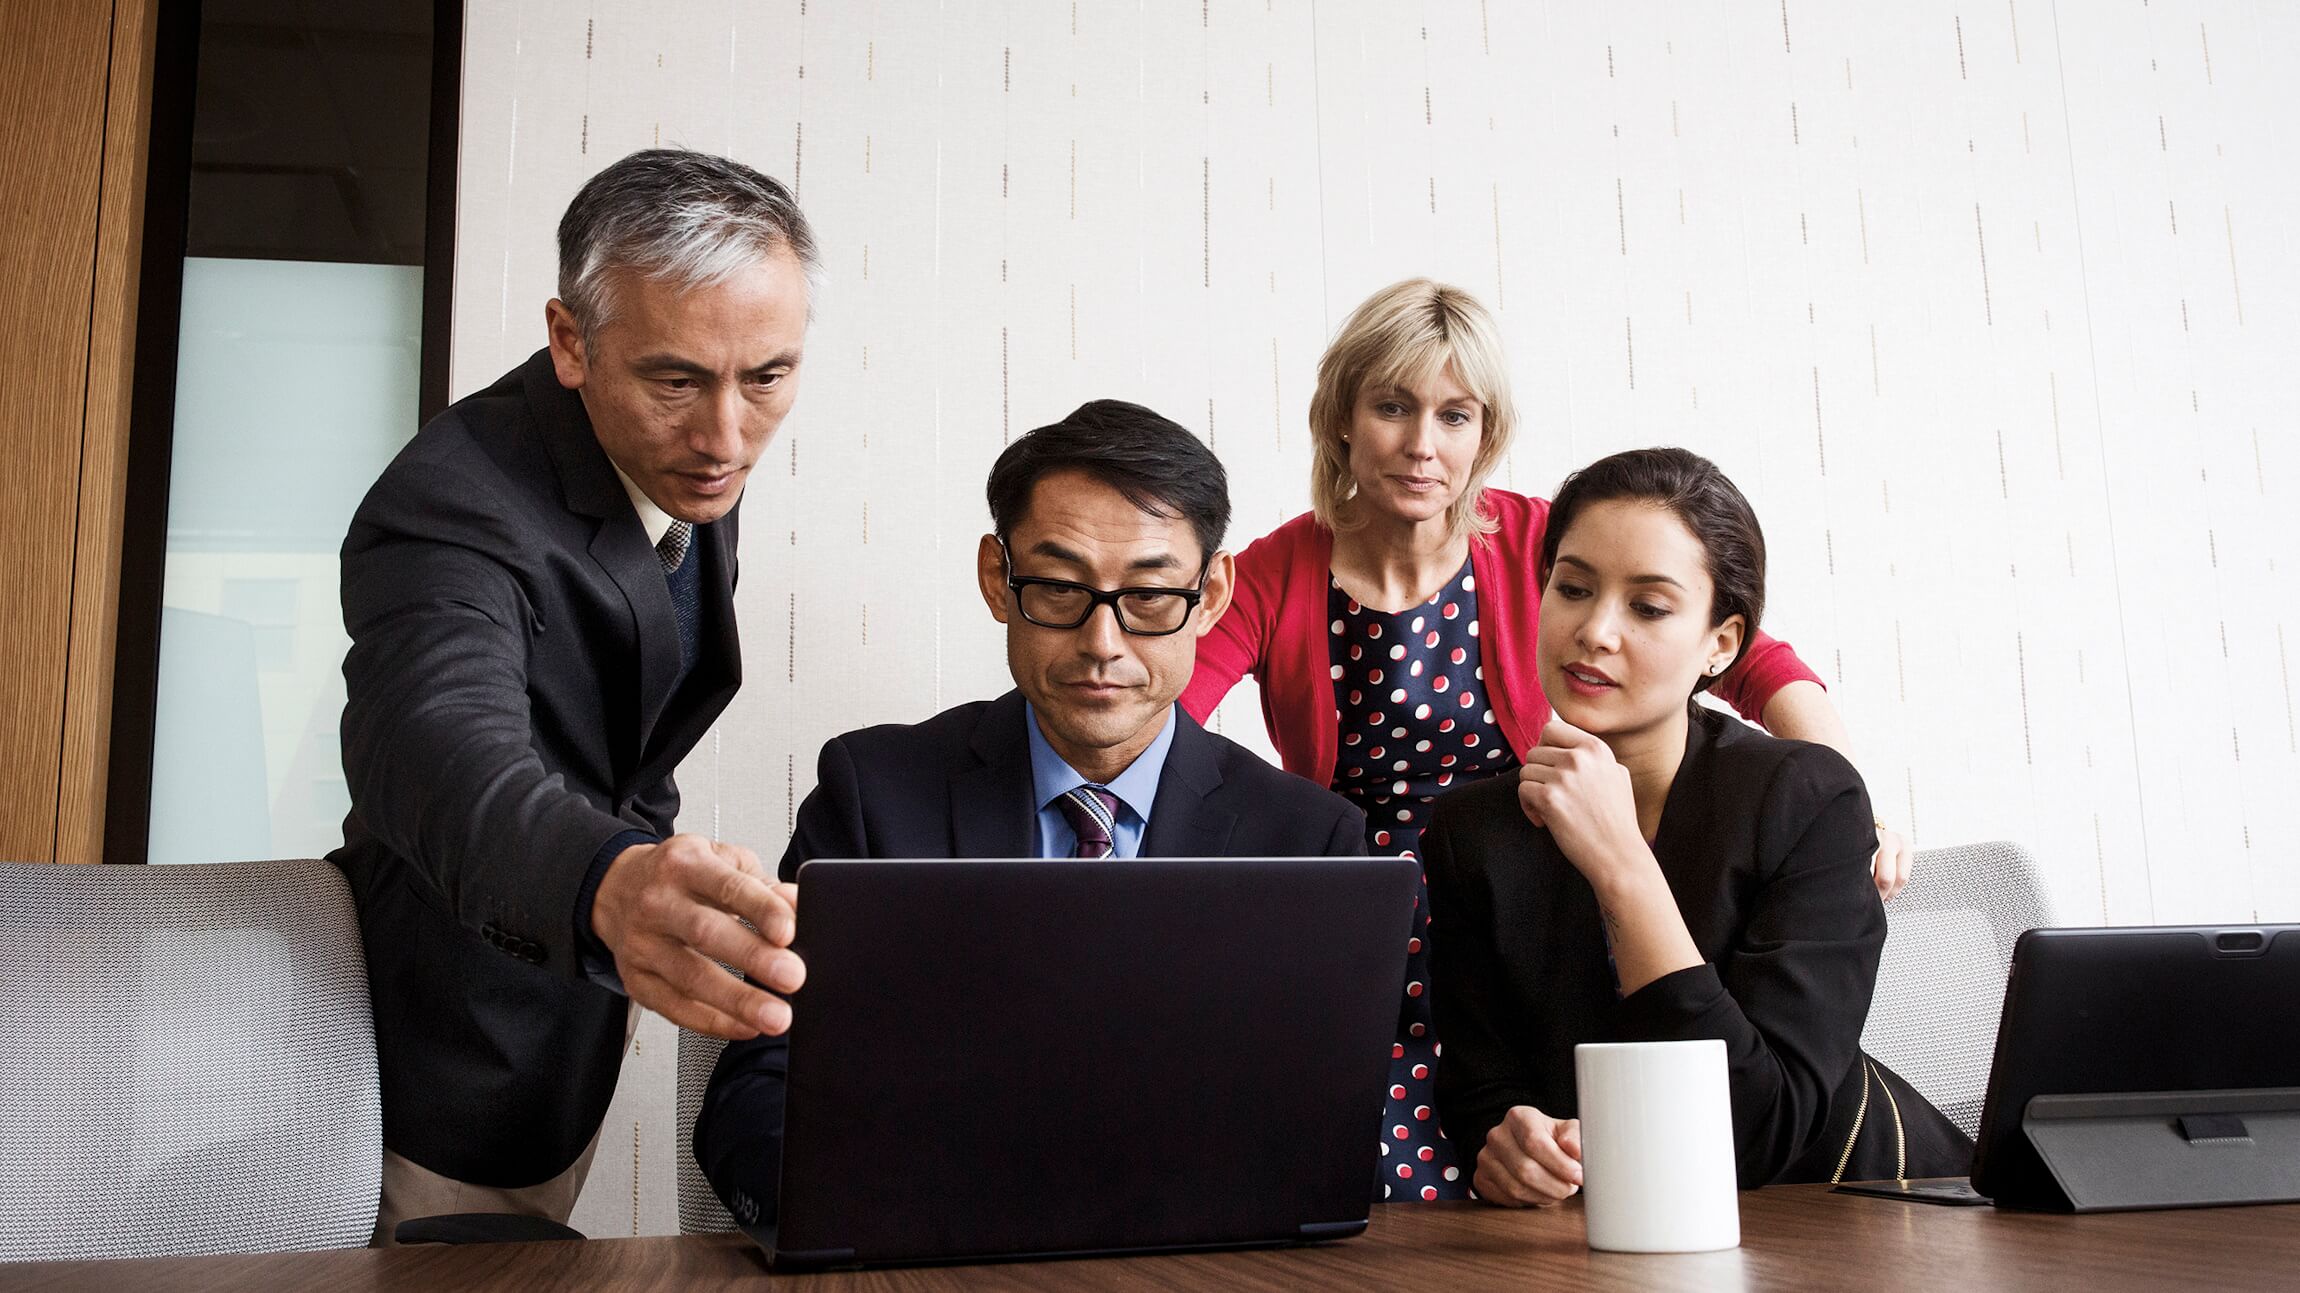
(1391, 628)
(1659, 872)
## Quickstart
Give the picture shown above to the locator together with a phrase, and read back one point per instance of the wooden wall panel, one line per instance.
(65, 320)
(104, 446)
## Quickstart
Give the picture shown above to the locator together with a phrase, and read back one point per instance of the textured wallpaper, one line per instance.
(1991, 308)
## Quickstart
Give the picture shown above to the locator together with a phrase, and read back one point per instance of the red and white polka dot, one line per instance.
(1423, 669)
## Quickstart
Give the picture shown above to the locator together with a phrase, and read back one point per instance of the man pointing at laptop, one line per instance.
(1106, 567)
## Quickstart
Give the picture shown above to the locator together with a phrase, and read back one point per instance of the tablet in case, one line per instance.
(2146, 1068)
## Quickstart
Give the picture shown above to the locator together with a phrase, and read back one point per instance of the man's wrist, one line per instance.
(597, 958)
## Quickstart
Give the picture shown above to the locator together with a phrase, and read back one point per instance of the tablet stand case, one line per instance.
(2163, 1149)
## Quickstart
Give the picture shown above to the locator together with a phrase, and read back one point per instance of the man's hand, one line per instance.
(668, 911)
(1892, 866)
(1530, 1160)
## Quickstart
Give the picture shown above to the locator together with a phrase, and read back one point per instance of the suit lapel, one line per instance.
(1556, 907)
(1191, 817)
(720, 654)
(991, 813)
(718, 672)
(1681, 845)
(620, 547)
(588, 482)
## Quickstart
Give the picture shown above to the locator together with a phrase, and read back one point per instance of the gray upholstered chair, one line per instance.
(700, 1212)
(187, 1060)
(1942, 982)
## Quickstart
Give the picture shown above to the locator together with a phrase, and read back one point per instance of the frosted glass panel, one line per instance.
(297, 382)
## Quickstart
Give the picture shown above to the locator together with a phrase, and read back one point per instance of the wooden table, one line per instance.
(1791, 1237)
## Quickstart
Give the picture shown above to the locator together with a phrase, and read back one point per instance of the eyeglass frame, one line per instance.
(1100, 597)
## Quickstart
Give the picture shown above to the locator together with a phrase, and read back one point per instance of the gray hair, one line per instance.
(689, 218)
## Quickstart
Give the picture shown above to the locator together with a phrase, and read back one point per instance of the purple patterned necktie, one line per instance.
(1093, 813)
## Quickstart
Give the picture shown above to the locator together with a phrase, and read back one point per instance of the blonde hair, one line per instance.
(1401, 336)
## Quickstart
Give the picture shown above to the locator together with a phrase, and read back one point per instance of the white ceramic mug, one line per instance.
(1657, 1147)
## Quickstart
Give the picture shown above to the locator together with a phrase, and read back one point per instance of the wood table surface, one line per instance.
(1791, 1237)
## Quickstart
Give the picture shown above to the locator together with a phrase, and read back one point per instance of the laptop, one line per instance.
(2144, 1068)
(1038, 1058)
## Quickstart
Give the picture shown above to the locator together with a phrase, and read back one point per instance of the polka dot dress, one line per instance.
(1410, 695)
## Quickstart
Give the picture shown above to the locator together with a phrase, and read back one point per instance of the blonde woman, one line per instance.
(1392, 629)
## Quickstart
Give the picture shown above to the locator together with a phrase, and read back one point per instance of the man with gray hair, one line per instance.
(539, 592)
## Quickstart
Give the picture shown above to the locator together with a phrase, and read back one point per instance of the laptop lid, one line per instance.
(1036, 1057)
(2133, 1010)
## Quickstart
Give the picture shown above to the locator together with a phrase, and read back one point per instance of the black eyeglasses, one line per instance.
(1064, 604)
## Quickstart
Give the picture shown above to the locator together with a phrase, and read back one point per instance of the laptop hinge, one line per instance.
(810, 1259)
(1316, 1230)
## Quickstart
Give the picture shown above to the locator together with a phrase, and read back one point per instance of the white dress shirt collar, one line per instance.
(655, 519)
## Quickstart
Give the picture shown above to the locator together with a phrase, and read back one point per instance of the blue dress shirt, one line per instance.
(1136, 789)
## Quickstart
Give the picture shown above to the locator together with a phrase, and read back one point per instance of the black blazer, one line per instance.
(958, 785)
(514, 701)
(1766, 846)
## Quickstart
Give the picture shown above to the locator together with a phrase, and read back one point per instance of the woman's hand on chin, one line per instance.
(1572, 786)
(1530, 1160)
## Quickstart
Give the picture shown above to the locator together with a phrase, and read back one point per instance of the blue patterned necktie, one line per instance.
(671, 549)
(1093, 813)
(686, 586)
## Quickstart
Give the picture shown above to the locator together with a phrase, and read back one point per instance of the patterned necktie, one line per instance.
(671, 549)
(1093, 813)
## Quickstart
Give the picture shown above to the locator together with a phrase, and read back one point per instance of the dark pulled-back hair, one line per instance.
(1158, 466)
(1711, 506)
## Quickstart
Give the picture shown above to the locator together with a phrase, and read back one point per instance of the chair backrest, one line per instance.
(700, 1211)
(188, 1059)
(1942, 982)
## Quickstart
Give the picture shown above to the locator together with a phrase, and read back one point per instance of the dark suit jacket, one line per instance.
(514, 701)
(958, 785)
(1766, 846)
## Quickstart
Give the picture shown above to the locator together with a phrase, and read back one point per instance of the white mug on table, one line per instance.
(1657, 1146)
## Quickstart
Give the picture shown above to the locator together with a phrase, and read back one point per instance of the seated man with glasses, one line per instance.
(1106, 567)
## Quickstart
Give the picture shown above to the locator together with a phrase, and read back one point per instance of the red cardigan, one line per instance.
(1276, 630)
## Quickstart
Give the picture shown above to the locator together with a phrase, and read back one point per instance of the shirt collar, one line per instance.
(655, 519)
(1136, 787)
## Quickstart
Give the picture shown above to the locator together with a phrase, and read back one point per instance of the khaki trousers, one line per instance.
(411, 1190)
